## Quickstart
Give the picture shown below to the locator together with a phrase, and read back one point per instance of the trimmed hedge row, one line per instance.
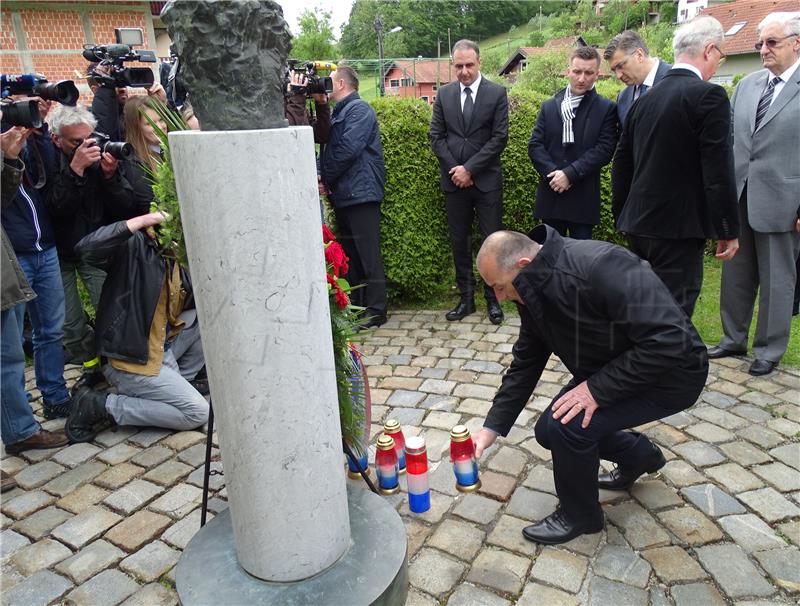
(416, 246)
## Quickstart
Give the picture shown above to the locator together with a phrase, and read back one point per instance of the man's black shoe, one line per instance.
(494, 312)
(556, 529)
(372, 322)
(759, 368)
(717, 352)
(623, 479)
(464, 308)
(88, 412)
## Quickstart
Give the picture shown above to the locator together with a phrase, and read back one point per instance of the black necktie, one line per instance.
(467, 110)
(766, 99)
(639, 90)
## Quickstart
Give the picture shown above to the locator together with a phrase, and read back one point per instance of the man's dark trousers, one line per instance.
(462, 206)
(679, 264)
(577, 451)
(359, 228)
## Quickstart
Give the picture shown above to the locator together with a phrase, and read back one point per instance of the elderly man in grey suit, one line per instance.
(766, 132)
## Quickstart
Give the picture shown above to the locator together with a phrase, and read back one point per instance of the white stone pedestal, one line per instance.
(251, 218)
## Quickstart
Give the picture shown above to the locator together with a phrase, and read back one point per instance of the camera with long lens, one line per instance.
(115, 55)
(119, 149)
(36, 85)
(21, 113)
(314, 82)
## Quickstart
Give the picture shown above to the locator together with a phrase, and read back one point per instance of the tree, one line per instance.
(315, 40)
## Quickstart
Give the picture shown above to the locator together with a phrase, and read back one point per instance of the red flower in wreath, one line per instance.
(327, 234)
(336, 258)
(339, 295)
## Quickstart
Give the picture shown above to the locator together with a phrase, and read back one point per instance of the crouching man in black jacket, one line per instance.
(147, 329)
(634, 355)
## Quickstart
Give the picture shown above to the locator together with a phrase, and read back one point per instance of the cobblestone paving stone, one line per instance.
(105, 522)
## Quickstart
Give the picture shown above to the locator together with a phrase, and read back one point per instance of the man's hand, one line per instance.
(145, 221)
(575, 400)
(559, 182)
(108, 164)
(321, 187)
(482, 440)
(86, 154)
(158, 92)
(797, 225)
(726, 249)
(297, 81)
(460, 176)
(13, 140)
(320, 98)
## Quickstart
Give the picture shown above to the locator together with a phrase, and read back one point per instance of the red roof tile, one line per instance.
(426, 70)
(751, 12)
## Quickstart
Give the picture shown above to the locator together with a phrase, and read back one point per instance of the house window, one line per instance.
(394, 83)
(425, 98)
(406, 82)
(522, 65)
(722, 79)
(435, 88)
(735, 28)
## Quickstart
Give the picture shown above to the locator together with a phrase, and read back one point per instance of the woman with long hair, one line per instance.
(146, 146)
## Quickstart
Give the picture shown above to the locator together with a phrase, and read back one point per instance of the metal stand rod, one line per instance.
(207, 467)
(354, 460)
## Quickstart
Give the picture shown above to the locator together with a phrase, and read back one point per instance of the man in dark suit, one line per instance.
(766, 132)
(574, 137)
(629, 59)
(634, 357)
(468, 132)
(672, 178)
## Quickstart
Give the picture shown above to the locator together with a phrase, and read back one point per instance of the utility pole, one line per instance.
(379, 29)
(450, 55)
(438, 62)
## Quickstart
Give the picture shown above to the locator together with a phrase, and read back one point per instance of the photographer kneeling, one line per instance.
(86, 191)
(147, 328)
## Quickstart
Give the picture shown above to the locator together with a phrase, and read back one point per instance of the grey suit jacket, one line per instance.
(768, 160)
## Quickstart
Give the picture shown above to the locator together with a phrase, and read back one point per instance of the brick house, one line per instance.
(47, 37)
(419, 78)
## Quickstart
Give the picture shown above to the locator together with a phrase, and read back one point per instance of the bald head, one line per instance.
(506, 248)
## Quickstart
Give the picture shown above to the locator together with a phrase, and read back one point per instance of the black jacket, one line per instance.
(610, 319)
(477, 145)
(141, 187)
(595, 129)
(130, 294)
(108, 111)
(351, 163)
(79, 205)
(672, 176)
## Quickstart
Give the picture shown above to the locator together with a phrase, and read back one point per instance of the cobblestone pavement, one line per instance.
(104, 523)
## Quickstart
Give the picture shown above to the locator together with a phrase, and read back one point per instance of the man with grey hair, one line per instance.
(634, 357)
(766, 152)
(630, 61)
(672, 178)
(84, 191)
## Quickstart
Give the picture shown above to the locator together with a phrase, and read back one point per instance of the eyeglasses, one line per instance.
(73, 142)
(772, 42)
(621, 64)
(722, 56)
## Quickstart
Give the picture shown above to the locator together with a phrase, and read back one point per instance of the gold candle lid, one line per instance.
(385, 442)
(459, 433)
(391, 426)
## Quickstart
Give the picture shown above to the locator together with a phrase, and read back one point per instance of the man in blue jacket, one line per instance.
(351, 166)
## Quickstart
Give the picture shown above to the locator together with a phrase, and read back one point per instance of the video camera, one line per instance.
(314, 82)
(115, 55)
(26, 112)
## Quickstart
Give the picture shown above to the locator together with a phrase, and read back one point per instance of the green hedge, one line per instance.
(416, 247)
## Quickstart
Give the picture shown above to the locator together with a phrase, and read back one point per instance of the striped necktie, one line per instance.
(766, 100)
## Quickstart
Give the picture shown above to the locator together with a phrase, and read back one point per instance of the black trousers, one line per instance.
(577, 451)
(570, 229)
(359, 229)
(462, 206)
(679, 264)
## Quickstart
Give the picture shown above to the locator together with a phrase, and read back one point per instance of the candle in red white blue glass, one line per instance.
(392, 428)
(386, 465)
(354, 467)
(462, 454)
(419, 494)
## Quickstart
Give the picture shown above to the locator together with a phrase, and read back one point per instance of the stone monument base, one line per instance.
(372, 571)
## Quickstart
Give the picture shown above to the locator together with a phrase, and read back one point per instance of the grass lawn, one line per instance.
(706, 315)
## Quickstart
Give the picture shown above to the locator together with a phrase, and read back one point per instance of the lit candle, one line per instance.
(462, 455)
(353, 472)
(392, 428)
(419, 494)
(386, 465)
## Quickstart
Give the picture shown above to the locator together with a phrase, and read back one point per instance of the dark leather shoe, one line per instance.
(372, 322)
(7, 481)
(39, 441)
(622, 479)
(464, 308)
(760, 368)
(88, 416)
(556, 529)
(495, 312)
(717, 352)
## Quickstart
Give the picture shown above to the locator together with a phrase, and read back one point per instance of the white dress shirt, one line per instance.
(651, 76)
(785, 76)
(690, 67)
(472, 87)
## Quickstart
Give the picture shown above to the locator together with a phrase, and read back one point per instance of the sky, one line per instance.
(339, 9)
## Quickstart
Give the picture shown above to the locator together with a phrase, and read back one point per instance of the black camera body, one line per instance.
(21, 113)
(314, 82)
(115, 56)
(36, 85)
(119, 149)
